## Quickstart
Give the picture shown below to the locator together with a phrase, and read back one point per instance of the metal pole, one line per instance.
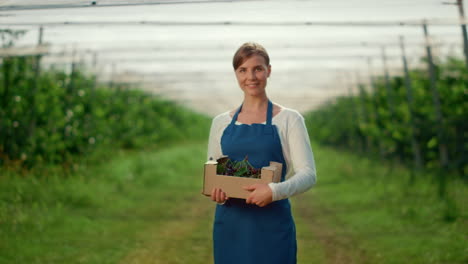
(111, 84)
(463, 26)
(73, 72)
(354, 114)
(351, 112)
(5, 131)
(409, 96)
(390, 100)
(93, 87)
(91, 101)
(443, 153)
(37, 72)
(376, 106)
(364, 116)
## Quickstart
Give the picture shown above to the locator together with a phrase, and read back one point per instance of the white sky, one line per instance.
(192, 63)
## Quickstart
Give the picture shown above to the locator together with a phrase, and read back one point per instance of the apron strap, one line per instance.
(269, 113)
(268, 128)
(234, 118)
(233, 121)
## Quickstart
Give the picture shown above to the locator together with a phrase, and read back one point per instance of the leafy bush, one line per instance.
(370, 123)
(57, 116)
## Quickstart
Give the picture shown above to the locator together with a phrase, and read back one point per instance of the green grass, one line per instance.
(393, 220)
(100, 212)
(146, 207)
(309, 249)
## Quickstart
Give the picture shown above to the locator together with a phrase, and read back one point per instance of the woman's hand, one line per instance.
(218, 196)
(260, 195)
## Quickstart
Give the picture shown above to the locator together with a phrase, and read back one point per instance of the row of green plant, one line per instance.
(381, 121)
(51, 116)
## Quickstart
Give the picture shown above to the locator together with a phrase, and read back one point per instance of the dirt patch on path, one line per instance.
(338, 248)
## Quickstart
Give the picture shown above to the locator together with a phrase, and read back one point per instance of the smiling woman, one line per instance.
(253, 68)
(245, 230)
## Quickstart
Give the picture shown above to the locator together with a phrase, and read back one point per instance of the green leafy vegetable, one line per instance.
(241, 168)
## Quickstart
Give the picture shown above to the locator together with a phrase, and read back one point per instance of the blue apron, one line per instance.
(246, 233)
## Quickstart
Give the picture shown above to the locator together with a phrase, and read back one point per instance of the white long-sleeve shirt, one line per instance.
(301, 172)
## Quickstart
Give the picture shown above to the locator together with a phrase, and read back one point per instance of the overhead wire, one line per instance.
(99, 4)
(438, 22)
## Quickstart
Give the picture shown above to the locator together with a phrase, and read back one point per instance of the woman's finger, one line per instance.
(218, 196)
(249, 199)
(213, 194)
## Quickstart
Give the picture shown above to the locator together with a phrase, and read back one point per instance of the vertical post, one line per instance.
(32, 109)
(6, 66)
(463, 27)
(91, 100)
(94, 67)
(69, 95)
(375, 104)
(73, 72)
(111, 81)
(409, 96)
(354, 114)
(391, 102)
(443, 153)
(366, 143)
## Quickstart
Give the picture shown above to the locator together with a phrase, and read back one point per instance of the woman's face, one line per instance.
(252, 75)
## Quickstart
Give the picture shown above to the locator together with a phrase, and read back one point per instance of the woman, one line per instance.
(259, 229)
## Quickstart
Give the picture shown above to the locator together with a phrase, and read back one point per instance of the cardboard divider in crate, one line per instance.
(233, 185)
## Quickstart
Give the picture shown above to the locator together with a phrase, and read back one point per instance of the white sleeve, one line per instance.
(302, 161)
(214, 141)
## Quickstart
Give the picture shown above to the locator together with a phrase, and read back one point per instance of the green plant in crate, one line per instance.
(241, 168)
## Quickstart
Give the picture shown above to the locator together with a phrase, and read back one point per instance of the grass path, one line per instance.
(314, 222)
(184, 238)
(358, 213)
(185, 235)
(146, 208)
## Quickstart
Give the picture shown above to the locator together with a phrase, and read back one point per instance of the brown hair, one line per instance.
(246, 51)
